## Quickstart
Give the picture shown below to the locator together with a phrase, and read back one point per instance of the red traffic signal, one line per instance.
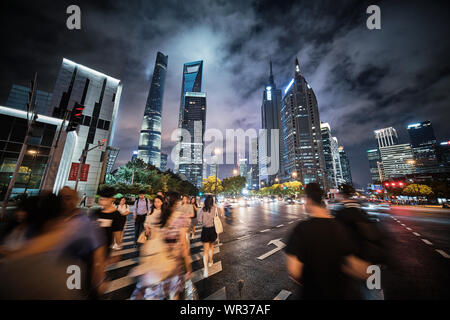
(75, 117)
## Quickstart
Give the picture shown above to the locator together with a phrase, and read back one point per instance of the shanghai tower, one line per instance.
(149, 149)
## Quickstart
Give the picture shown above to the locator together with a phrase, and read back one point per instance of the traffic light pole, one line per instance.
(24, 147)
(83, 161)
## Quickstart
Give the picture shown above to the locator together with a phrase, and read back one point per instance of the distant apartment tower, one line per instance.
(271, 121)
(345, 164)
(374, 157)
(134, 155)
(386, 137)
(163, 166)
(303, 158)
(333, 168)
(398, 160)
(150, 135)
(19, 95)
(253, 165)
(192, 118)
(423, 142)
(100, 94)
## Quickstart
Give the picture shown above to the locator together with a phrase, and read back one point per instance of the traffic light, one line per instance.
(75, 117)
(200, 194)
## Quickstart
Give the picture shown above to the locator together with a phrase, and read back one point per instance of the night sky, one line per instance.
(363, 79)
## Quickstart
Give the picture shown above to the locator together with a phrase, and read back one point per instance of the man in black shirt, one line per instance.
(320, 253)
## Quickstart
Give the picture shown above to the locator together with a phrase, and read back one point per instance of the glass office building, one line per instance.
(19, 95)
(374, 157)
(192, 118)
(423, 142)
(303, 158)
(150, 135)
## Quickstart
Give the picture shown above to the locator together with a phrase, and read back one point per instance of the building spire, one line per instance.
(297, 65)
(271, 73)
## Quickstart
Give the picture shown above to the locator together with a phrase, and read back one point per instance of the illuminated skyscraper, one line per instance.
(345, 165)
(303, 158)
(374, 157)
(423, 142)
(192, 118)
(386, 137)
(333, 168)
(271, 120)
(150, 135)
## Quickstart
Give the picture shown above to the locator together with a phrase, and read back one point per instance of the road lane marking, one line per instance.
(122, 264)
(118, 253)
(265, 230)
(291, 222)
(280, 225)
(120, 283)
(416, 234)
(443, 253)
(427, 242)
(220, 294)
(279, 246)
(408, 228)
(198, 274)
(403, 225)
(283, 295)
(244, 237)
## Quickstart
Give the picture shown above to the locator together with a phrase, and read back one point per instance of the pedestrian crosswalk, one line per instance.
(121, 285)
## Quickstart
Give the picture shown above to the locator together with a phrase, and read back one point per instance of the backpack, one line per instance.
(137, 203)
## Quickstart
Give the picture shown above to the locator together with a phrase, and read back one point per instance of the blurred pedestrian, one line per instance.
(124, 210)
(319, 251)
(208, 236)
(194, 220)
(141, 209)
(172, 254)
(17, 230)
(153, 219)
(48, 278)
(83, 200)
(370, 240)
(108, 217)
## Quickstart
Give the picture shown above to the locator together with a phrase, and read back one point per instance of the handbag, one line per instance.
(142, 237)
(218, 223)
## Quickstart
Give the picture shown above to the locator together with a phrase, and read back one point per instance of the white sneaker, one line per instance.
(205, 273)
(210, 264)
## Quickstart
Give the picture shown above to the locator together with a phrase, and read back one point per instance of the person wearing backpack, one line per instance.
(140, 211)
(371, 240)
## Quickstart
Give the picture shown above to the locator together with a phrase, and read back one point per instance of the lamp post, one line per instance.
(216, 152)
(294, 175)
(277, 180)
(34, 153)
(235, 171)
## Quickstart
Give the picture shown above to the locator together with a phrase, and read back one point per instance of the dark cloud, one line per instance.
(363, 79)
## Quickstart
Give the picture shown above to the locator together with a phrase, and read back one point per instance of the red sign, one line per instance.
(74, 172)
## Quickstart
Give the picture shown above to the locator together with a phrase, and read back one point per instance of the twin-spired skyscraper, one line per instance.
(149, 149)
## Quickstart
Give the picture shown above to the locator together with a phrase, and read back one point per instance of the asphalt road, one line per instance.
(420, 247)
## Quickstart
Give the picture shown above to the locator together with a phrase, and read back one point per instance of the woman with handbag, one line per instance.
(165, 262)
(209, 217)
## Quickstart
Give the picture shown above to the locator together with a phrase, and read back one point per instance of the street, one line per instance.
(250, 255)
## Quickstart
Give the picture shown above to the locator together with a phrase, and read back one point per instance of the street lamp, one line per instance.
(294, 175)
(235, 171)
(216, 152)
(277, 180)
(30, 170)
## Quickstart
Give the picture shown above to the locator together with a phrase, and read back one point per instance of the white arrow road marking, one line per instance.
(283, 295)
(427, 242)
(443, 253)
(279, 245)
(218, 295)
